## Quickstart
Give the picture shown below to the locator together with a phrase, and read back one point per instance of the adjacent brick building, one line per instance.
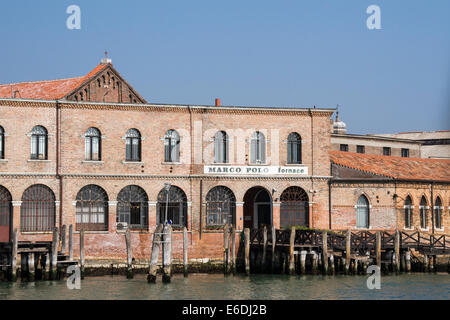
(91, 152)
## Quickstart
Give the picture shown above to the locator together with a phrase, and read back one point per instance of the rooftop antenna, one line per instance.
(337, 112)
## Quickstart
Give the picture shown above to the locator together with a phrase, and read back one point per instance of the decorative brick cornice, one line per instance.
(181, 177)
(24, 103)
(66, 104)
(27, 175)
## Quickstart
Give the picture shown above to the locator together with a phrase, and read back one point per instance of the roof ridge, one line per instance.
(39, 81)
(379, 156)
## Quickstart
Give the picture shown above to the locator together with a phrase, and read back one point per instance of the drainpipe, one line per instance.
(58, 163)
(432, 208)
(311, 224)
(329, 205)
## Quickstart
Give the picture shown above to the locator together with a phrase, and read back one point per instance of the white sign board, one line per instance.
(256, 170)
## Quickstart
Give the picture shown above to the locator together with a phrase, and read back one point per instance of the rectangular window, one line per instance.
(344, 147)
(360, 149)
(386, 151)
(405, 153)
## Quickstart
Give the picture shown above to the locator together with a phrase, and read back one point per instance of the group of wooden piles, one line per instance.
(162, 242)
(42, 260)
(291, 257)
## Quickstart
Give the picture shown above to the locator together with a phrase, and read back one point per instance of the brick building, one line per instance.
(91, 152)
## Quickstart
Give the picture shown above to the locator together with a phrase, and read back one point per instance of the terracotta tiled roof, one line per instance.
(47, 90)
(395, 167)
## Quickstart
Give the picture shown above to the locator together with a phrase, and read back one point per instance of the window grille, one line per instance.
(92, 209)
(220, 206)
(294, 209)
(132, 207)
(176, 206)
(37, 212)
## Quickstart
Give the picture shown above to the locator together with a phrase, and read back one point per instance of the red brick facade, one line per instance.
(66, 170)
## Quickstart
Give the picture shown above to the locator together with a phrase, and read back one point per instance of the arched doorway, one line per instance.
(177, 208)
(257, 208)
(294, 209)
(5, 215)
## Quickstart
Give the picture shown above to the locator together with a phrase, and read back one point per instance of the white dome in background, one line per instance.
(339, 126)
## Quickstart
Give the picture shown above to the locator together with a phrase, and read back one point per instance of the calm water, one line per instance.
(216, 286)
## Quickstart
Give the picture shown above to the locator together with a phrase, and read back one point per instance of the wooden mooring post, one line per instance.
(396, 251)
(378, 248)
(14, 255)
(303, 261)
(325, 252)
(167, 253)
(247, 250)
(332, 267)
(233, 249)
(31, 269)
(129, 254)
(82, 253)
(54, 257)
(315, 262)
(226, 249)
(425, 263)
(291, 252)
(63, 239)
(264, 253)
(71, 242)
(185, 252)
(156, 243)
(274, 243)
(408, 261)
(348, 252)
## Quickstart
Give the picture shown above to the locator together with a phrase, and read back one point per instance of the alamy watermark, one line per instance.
(74, 278)
(374, 20)
(374, 281)
(73, 22)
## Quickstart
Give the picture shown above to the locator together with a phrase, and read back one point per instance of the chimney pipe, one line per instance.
(217, 102)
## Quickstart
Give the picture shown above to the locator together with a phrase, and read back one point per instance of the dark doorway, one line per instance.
(135, 213)
(257, 208)
(5, 215)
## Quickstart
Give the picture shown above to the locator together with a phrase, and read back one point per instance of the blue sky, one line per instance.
(252, 52)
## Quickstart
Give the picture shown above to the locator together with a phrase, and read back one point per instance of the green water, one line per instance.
(216, 286)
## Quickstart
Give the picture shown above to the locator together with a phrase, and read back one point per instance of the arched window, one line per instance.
(294, 209)
(2, 143)
(294, 149)
(92, 209)
(362, 212)
(92, 145)
(423, 213)
(37, 212)
(258, 148)
(133, 145)
(39, 143)
(174, 203)
(438, 213)
(408, 212)
(220, 206)
(5, 214)
(132, 207)
(172, 146)
(221, 147)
